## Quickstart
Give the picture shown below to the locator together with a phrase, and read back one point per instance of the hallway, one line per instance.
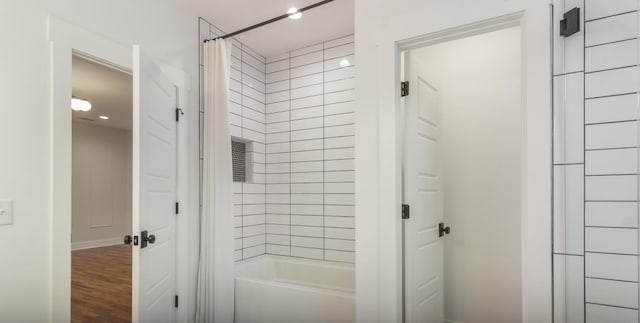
(101, 284)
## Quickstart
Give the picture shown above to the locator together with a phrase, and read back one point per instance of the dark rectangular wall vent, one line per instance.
(239, 156)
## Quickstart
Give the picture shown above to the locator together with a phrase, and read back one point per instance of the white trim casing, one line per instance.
(379, 35)
(183, 190)
(65, 39)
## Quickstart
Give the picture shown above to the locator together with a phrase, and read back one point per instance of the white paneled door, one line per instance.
(422, 180)
(154, 187)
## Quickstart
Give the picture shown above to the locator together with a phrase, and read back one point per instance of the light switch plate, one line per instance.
(6, 212)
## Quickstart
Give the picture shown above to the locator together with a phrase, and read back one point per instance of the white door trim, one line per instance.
(378, 265)
(183, 193)
(65, 39)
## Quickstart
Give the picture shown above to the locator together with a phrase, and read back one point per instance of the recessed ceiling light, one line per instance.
(344, 62)
(104, 117)
(294, 13)
(80, 105)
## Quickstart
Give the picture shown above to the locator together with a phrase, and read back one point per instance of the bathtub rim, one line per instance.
(337, 291)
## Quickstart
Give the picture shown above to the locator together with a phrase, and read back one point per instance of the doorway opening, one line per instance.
(101, 265)
(462, 178)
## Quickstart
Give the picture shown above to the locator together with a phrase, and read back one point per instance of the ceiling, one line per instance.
(329, 21)
(109, 91)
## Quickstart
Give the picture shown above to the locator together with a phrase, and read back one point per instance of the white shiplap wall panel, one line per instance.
(597, 69)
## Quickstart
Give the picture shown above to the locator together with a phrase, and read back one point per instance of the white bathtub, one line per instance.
(274, 289)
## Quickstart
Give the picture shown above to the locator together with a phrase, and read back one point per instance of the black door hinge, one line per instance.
(404, 88)
(177, 208)
(179, 113)
(405, 211)
(570, 24)
(176, 302)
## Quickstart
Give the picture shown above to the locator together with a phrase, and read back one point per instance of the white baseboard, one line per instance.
(96, 243)
(449, 321)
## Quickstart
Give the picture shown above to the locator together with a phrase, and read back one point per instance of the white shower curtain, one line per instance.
(215, 294)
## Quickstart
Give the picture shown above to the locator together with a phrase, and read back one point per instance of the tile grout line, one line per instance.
(324, 224)
(242, 135)
(584, 169)
(552, 188)
(637, 159)
(289, 135)
(265, 156)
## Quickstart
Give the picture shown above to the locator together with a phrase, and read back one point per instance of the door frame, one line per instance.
(463, 32)
(379, 265)
(65, 40)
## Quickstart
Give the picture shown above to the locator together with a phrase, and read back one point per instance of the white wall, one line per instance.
(310, 144)
(479, 78)
(164, 31)
(101, 185)
(380, 25)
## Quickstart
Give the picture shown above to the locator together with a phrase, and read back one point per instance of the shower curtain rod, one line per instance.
(286, 15)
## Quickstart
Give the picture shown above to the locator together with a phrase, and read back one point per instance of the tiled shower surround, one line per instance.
(310, 152)
(596, 116)
(295, 111)
(247, 123)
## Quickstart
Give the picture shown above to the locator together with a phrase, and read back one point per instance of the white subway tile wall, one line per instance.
(297, 112)
(309, 152)
(568, 209)
(595, 163)
(568, 289)
(247, 120)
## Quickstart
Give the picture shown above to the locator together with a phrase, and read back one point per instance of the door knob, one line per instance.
(442, 230)
(146, 238)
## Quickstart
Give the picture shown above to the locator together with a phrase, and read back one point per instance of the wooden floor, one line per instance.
(101, 284)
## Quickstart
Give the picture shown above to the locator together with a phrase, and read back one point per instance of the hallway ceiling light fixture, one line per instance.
(104, 117)
(80, 104)
(344, 62)
(294, 13)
